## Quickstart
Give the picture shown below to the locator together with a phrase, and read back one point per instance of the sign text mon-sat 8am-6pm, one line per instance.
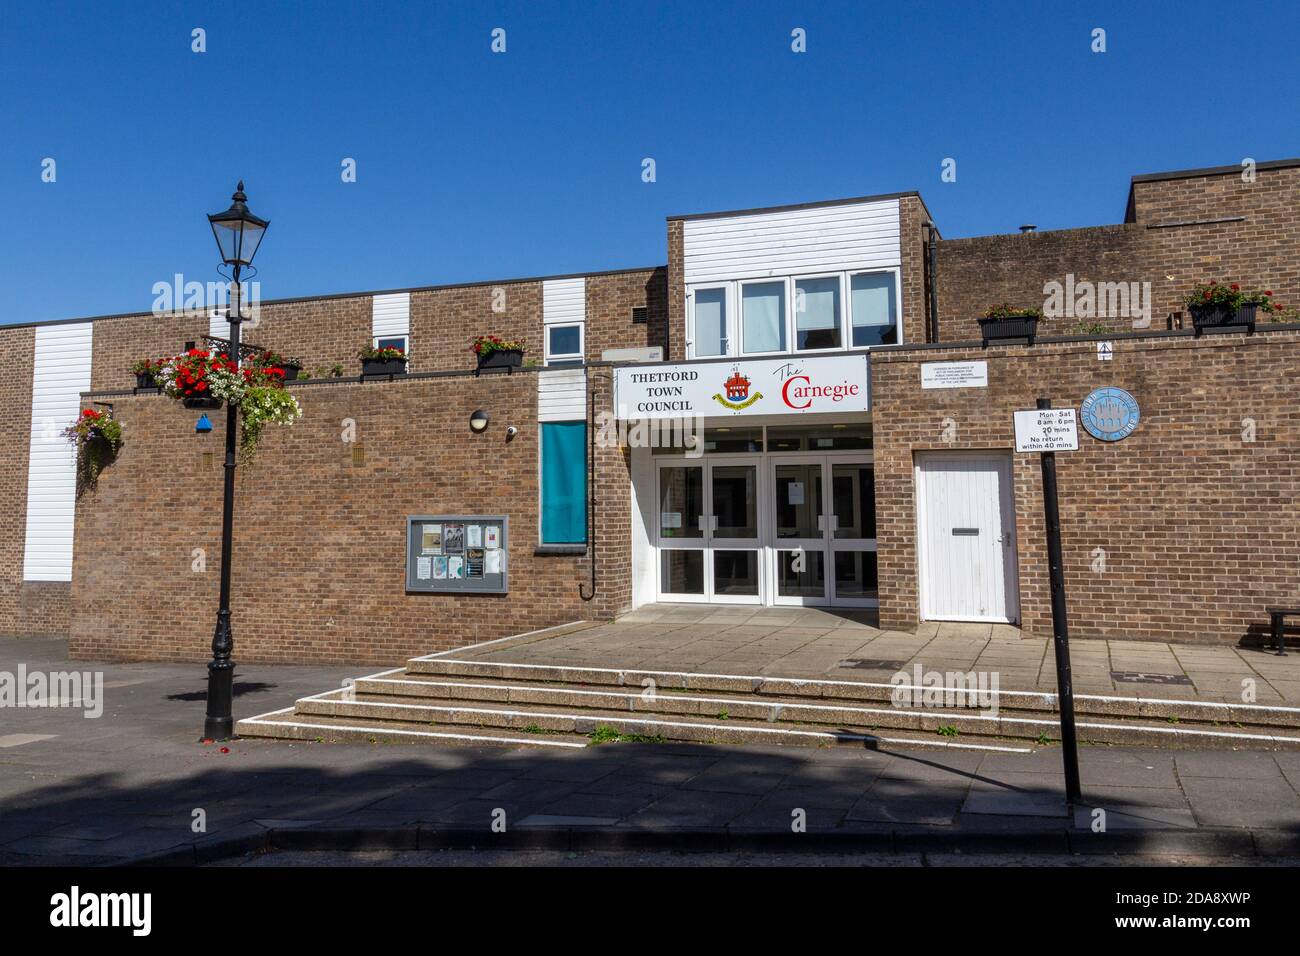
(773, 387)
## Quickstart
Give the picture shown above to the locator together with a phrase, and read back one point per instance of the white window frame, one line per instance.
(728, 304)
(793, 331)
(406, 341)
(566, 357)
(784, 281)
(847, 297)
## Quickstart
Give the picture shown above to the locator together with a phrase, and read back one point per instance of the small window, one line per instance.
(710, 336)
(390, 342)
(640, 315)
(874, 307)
(763, 316)
(817, 313)
(563, 344)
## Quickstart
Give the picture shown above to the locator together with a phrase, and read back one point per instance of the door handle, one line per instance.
(1006, 539)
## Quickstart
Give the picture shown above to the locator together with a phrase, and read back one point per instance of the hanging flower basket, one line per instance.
(382, 361)
(96, 436)
(202, 379)
(1009, 325)
(494, 352)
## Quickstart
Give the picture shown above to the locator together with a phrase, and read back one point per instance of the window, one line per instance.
(710, 334)
(762, 306)
(390, 342)
(817, 313)
(874, 307)
(564, 483)
(563, 343)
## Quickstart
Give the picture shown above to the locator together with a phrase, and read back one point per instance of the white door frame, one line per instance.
(1006, 504)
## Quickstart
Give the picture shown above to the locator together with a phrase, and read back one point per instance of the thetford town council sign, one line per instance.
(829, 383)
(1109, 414)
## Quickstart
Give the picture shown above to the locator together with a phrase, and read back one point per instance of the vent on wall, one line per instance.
(639, 314)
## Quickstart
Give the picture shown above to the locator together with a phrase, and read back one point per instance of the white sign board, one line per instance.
(826, 383)
(1047, 429)
(954, 375)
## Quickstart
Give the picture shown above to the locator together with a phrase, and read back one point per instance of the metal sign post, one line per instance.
(1047, 434)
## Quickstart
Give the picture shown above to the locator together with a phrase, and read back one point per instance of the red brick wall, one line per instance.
(1199, 527)
(1263, 251)
(676, 290)
(610, 300)
(320, 538)
(911, 214)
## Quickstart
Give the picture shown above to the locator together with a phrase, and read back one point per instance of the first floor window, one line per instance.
(564, 482)
(874, 305)
(710, 322)
(817, 313)
(563, 343)
(762, 306)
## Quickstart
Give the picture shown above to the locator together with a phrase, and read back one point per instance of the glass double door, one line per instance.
(708, 533)
(767, 529)
(823, 534)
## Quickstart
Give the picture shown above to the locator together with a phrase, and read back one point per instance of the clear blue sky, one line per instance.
(480, 166)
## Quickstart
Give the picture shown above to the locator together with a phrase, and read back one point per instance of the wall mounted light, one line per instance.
(478, 421)
(511, 432)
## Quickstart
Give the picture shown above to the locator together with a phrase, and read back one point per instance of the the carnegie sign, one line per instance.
(788, 386)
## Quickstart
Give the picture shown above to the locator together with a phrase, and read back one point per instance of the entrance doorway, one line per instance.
(777, 528)
(966, 537)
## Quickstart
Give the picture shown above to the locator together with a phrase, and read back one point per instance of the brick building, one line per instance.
(854, 448)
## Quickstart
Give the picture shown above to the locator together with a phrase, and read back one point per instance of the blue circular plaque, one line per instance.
(1109, 414)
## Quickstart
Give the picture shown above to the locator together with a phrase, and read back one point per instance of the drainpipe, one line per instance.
(931, 277)
(591, 485)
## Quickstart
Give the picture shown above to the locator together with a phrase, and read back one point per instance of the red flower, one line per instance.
(1234, 287)
(1268, 292)
(1205, 295)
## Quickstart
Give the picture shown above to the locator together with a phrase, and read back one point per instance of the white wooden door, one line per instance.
(966, 537)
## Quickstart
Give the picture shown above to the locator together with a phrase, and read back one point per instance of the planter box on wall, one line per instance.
(145, 381)
(290, 371)
(383, 367)
(501, 358)
(1009, 330)
(1221, 318)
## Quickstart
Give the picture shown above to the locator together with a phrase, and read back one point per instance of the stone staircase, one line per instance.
(476, 702)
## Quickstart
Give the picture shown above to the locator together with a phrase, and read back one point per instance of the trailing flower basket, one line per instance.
(998, 326)
(502, 358)
(192, 401)
(1221, 317)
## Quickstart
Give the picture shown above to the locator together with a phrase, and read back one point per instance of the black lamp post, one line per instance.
(238, 233)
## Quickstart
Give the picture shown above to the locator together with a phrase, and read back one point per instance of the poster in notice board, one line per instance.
(457, 554)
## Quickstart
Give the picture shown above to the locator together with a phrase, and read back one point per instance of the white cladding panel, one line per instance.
(562, 395)
(792, 242)
(391, 314)
(60, 373)
(218, 327)
(564, 300)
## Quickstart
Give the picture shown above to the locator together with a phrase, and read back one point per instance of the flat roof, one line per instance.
(800, 205)
(1213, 171)
(342, 295)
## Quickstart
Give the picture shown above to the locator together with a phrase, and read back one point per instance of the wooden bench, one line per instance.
(1277, 624)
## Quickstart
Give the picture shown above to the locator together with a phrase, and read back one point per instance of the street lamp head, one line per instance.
(238, 232)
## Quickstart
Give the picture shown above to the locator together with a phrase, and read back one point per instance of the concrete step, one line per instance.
(573, 710)
(1212, 714)
(323, 720)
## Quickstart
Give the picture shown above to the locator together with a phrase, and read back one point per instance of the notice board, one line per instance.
(459, 554)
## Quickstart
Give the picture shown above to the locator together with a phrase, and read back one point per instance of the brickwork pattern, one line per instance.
(319, 568)
(1261, 252)
(1197, 525)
